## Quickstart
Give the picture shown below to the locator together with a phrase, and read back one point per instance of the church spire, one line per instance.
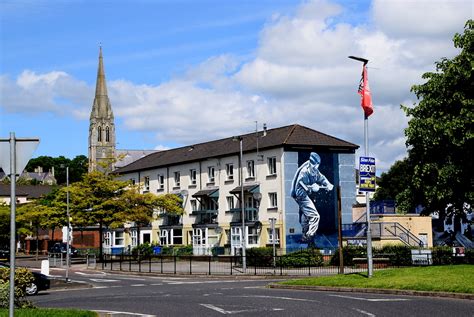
(101, 107)
(102, 126)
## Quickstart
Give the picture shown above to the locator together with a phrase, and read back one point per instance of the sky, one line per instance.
(181, 72)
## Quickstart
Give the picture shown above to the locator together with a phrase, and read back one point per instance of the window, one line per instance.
(176, 236)
(273, 239)
(133, 235)
(230, 202)
(118, 238)
(164, 237)
(177, 179)
(250, 169)
(192, 174)
(161, 182)
(211, 174)
(146, 183)
(107, 134)
(273, 200)
(99, 134)
(272, 165)
(229, 169)
(107, 239)
(194, 205)
(253, 235)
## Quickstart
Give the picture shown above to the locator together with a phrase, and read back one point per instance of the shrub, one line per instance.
(348, 254)
(302, 258)
(142, 251)
(23, 278)
(260, 256)
(442, 255)
(399, 255)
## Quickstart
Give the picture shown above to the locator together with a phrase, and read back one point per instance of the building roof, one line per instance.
(126, 157)
(292, 136)
(31, 191)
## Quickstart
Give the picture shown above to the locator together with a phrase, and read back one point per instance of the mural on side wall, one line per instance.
(308, 181)
(312, 221)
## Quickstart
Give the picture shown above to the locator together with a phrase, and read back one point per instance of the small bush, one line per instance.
(399, 255)
(348, 254)
(303, 258)
(23, 278)
(142, 251)
(442, 255)
(260, 256)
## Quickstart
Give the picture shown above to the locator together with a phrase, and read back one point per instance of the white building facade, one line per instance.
(207, 177)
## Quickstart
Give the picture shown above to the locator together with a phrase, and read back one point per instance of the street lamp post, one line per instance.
(272, 223)
(14, 155)
(68, 225)
(242, 202)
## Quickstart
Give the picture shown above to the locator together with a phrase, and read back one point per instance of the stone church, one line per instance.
(103, 154)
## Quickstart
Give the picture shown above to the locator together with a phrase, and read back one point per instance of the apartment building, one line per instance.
(207, 177)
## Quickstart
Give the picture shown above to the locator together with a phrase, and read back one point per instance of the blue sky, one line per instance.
(182, 72)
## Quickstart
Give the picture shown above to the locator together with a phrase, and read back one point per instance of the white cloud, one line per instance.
(300, 73)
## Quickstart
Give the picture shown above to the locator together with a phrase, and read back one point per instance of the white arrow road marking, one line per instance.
(364, 312)
(229, 312)
(373, 299)
(111, 313)
(91, 274)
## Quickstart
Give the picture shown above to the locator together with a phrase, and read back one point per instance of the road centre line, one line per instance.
(372, 299)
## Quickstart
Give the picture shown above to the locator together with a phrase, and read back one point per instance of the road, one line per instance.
(132, 295)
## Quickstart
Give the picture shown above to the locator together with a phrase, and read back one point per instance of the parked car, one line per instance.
(60, 247)
(41, 282)
(4, 254)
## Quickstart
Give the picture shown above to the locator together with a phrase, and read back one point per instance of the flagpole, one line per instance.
(367, 204)
(366, 150)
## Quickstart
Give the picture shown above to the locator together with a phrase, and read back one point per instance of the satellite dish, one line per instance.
(184, 192)
(258, 225)
(218, 230)
(257, 196)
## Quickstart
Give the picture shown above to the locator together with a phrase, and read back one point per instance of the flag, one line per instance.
(364, 92)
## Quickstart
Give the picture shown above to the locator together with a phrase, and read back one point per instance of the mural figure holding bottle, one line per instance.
(307, 181)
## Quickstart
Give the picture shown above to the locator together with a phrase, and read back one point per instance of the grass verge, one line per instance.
(449, 278)
(48, 312)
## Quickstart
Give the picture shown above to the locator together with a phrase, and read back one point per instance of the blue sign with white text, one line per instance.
(366, 174)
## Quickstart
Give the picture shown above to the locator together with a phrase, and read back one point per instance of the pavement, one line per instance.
(60, 282)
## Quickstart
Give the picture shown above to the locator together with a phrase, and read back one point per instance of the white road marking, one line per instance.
(156, 284)
(280, 297)
(91, 274)
(364, 312)
(102, 280)
(135, 285)
(224, 312)
(111, 313)
(373, 299)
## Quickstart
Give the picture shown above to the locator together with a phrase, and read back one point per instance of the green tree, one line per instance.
(77, 167)
(139, 208)
(440, 130)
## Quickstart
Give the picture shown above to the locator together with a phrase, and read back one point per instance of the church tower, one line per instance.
(102, 127)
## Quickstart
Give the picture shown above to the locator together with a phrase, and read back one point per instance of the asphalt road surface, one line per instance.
(131, 295)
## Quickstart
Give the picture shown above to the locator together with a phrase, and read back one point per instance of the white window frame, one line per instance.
(146, 183)
(117, 236)
(250, 169)
(229, 169)
(161, 181)
(177, 179)
(211, 172)
(273, 200)
(194, 204)
(142, 235)
(230, 202)
(134, 236)
(252, 234)
(192, 176)
(164, 237)
(107, 239)
(271, 163)
(270, 235)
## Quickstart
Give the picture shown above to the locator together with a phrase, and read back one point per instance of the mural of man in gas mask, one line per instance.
(307, 181)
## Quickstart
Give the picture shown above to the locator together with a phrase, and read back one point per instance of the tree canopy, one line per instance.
(77, 167)
(440, 132)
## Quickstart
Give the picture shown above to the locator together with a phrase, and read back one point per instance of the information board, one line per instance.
(366, 174)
